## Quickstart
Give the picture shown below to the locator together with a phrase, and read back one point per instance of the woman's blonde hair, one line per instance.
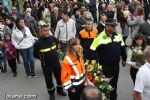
(72, 42)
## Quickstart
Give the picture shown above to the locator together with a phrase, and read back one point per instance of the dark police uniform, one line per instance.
(109, 50)
(45, 49)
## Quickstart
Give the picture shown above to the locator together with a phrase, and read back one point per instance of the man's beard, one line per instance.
(89, 29)
(20, 28)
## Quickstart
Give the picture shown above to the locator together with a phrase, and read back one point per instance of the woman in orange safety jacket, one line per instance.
(73, 70)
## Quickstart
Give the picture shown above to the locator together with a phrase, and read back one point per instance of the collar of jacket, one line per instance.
(73, 58)
(19, 29)
(113, 34)
(88, 30)
(102, 23)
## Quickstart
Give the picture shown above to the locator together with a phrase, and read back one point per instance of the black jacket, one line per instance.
(80, 24)
(54, 20)
(100, 27)
(49, 57)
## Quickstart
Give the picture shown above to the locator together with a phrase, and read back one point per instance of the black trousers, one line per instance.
(133, 72)
(75, 95)
(48, 71)
(112, 72)
(18, 56)
(63, 47)
(12, 64)
(146, 10)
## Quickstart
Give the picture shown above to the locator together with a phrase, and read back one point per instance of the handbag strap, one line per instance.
(24, 36)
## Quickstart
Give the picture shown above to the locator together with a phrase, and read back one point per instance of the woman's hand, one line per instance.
(134, 65)
(85, 83)
(73, 90)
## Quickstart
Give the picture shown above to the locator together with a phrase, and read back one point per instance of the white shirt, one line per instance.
(65, 30)
(129, 57)
(142, 83)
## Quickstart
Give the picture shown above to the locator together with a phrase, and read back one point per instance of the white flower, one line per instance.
(98, 71)
(102, 79)
(100, 86)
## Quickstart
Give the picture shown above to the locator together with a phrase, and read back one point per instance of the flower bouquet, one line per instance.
(138, 52)
(97, 78)
(138, 56)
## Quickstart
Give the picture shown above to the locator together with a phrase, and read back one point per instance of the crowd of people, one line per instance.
(80, 31)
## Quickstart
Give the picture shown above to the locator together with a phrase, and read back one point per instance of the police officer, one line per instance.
(110, 46)
(45, 49)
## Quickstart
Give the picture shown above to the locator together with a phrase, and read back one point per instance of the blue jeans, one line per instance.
(28, 60)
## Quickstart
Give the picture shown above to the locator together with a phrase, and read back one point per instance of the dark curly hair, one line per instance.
(139, 37)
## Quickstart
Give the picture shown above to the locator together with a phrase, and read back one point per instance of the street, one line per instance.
(21, 85)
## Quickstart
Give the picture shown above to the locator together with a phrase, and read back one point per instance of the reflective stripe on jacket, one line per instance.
(103, 38)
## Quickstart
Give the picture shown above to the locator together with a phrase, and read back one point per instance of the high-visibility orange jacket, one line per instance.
(85, 34)
(86, 38)
(73, 71)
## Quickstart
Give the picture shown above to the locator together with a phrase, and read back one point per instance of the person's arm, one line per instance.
(123, 55)
(140, 84)
(129, 57)
(13, 39)
(123, 49)
(74, 29)
(12, 49)
(65, 76)
(36, 50)
(80, 38)
(57, 30)
(137, 95)
(133, 22)
(30, 35)
(95, 44)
